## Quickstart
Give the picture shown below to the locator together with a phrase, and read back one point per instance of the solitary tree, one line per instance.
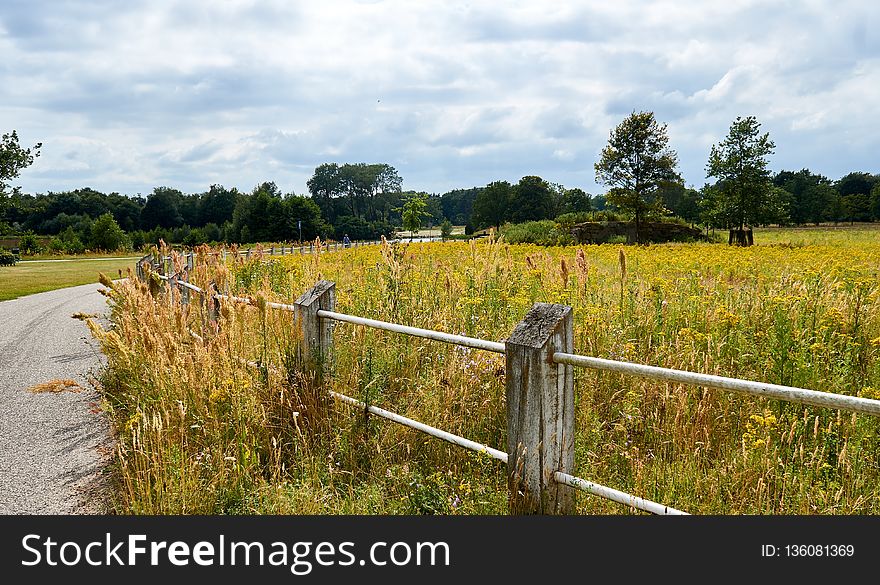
(739, 163)
(636, 162)
(413, 212)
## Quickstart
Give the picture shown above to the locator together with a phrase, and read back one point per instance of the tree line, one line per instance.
(637, 166)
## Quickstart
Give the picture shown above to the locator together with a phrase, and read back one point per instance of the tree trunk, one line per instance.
(741, 237)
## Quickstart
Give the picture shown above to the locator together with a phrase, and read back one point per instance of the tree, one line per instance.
(530, 200)
(413, 212)
(739, 163)
(875, 202)
(326, 184)
(14, 158)
(491, 204)
(812, 195)
(855, 194)
(575, 201)
(217, 205)
(636, 162)
(162, 209)
(107, 235)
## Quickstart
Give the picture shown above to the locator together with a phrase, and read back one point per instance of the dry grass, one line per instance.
(56, 387)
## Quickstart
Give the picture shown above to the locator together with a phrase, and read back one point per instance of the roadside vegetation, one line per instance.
(201, 432)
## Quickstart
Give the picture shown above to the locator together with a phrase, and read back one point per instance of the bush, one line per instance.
(56, 246)
(29, 245)
(7, 258)
(544, 233)
(107, 235)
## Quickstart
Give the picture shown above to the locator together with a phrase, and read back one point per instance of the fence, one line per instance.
(539, 386)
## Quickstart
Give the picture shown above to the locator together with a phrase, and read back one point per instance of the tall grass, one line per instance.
(200, 432)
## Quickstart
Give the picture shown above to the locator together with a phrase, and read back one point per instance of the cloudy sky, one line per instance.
(129, 95)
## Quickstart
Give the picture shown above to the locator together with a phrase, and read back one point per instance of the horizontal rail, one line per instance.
(789, 393)
(191, 287)
(616, 495)
(472, 342)
(427, 429)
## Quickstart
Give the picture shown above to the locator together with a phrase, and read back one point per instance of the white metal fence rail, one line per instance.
(545, 383)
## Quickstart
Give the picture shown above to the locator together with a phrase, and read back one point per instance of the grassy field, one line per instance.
(201, 433)
(34, 277)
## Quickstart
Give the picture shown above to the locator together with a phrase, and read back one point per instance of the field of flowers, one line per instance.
(200, 432)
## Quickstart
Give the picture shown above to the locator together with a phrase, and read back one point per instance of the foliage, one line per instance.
(14, 158)
(445, 229)
(543, 233)
(636, 163)
(368, 190)
(739, 162)
(413, 213)
(28, 245)
(492, 204)
(107, 235)
(531, 199)
(7, 258)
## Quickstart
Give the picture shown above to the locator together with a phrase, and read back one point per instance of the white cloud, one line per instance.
(453, 94)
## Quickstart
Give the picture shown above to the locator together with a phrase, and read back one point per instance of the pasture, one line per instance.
(199, 432)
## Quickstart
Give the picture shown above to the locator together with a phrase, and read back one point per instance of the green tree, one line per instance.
(162, 209)
(14, 158)
(575, 200)
(875, 202)
(445, 229)
(217, 205)
(491, 204)
(530, 200)
(855, 194)
(325, 185)
(636, 162)
(739, 163)
(107, 235)
(413, 212)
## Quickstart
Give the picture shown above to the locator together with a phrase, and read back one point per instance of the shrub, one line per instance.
(544, 233)
(7, 258)
(29, 245)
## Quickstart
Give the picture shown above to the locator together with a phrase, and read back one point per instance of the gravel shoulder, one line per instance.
(52, 445)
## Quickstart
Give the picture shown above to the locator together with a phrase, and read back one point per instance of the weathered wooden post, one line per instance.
(317, 342)
(212, 306)
(540, 412)
(185, 292)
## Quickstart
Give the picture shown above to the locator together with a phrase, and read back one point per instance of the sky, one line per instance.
(127, 96)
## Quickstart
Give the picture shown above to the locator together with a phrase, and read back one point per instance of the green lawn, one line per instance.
(29, 278)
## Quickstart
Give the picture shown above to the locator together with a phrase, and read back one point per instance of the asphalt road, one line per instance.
(50, 444)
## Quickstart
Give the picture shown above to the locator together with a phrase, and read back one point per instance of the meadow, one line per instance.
(200, 432)
(34, 277)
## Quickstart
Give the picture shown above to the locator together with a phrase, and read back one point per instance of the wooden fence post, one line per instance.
(317, 333)
(212, 307)
(540, 412)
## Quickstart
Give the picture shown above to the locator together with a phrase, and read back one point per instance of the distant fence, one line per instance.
(539, 386)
